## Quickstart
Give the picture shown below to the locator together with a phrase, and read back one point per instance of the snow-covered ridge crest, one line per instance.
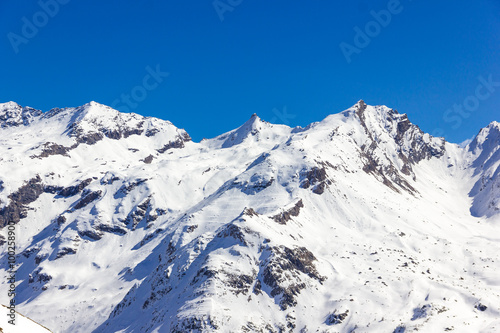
(64, 129)
(91, 115)
(93, 120)
(253, 131)
(487, 139)
(485, 150)
(357, 222)
(12, 114)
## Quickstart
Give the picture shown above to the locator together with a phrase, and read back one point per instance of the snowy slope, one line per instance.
(486, 154)
(20, 324)
(360, 222)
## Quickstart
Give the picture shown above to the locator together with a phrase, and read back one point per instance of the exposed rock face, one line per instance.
(52, 148)
(387, 174)
(91, 234)
(282, 273)
(87, 198)
(337, 318)
(17, 207)
(109, 178)
(234, 231)
(120, 129)
(287, 215)
(481, 307)
(125, 189)
(177, 144)
(65, 251)
(317, 179)
(39, 277)
(262, 229)
(249, 212)
(195, 324)
(255, 185)
(12, 114)
(413, 146)
(143, 212)
(111, 229)
(70, 191)
(148, 159)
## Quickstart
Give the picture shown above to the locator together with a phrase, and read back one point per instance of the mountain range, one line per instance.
(360, 222)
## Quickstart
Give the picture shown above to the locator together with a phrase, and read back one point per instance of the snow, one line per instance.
(20, 324)
(174, 245)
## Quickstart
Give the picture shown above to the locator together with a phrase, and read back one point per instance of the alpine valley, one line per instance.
(358, 223)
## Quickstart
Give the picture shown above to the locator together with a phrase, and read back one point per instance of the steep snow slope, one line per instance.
(358, 222)
(486, 152)
(21, 323)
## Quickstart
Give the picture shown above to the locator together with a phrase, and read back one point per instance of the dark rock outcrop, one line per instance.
(70, 191)
(91, 234)
(17, 208)
(86, 199)
(204, 323)
(284, 263)
(64, 251)
(176, 144)
(411, 149)
(143, 212)
(125, 189)
(255, 185)
(480, 307)
(284, 217)
(91, 137)
(148, 159)
(38, 276)
(52, 148)
(111, 229)
(14, 115)
(316, 178)
(336, 318)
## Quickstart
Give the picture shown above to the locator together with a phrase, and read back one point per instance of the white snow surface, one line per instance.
(20, 324)
(357, 223)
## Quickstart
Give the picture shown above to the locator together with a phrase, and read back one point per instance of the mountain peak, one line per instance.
(96, 105)
(103, 115)
(360, 104)
(253, 130)
(250, 128)
(377, 115)
(488, 138)
(94, 108)
(253, 122)
(120, 185)
(12, 114)
(8, 106)
(494, 124)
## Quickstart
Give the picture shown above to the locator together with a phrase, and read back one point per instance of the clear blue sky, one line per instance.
(280, 59)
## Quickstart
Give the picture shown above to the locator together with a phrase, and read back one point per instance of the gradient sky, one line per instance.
(227, 59)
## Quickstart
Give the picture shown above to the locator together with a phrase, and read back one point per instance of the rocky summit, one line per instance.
(360, 222)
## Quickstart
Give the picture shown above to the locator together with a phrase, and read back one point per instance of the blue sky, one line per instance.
(289, 62)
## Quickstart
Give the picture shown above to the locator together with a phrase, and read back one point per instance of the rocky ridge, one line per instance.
(360, 222)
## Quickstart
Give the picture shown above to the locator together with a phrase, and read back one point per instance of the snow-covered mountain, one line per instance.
(358, 223)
